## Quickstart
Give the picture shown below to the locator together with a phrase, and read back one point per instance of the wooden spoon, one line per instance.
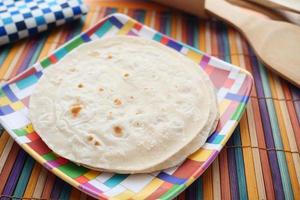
(291, 5)
(276, 43)
(265, 12)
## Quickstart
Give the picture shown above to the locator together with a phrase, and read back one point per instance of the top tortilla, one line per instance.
(121, 104)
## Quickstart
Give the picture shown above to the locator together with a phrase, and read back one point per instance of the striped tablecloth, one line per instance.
(260, 161)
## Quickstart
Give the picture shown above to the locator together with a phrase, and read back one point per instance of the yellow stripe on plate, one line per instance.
(194, 56)
(149, 189)
(124, 195)
(91, 174)
(202, 155)
(17, 105)
(223, 105)
(4, 101)
(126, 28)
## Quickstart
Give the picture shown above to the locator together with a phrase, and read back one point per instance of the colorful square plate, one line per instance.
(232, 85)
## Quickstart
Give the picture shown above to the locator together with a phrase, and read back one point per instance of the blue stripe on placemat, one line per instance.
(282, 162)
(240, 164)
(24, 177)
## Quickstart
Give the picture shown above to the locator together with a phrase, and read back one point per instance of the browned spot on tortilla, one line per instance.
(126, 75)
(72, 70)
(101, 89)
(109, 56)
(97, 143)
(75, 109)
(90, 138)
(117, 102)
(80, 86)
(138, 112)
(118, 131)
(94, 54)
(131, 97)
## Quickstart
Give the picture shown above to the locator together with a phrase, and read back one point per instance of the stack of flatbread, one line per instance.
(124, 104)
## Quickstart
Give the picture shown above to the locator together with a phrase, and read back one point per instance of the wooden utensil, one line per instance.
(291, 5)
(264, 12)
(276, 43)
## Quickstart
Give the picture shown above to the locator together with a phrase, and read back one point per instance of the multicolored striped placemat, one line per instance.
(261, 159)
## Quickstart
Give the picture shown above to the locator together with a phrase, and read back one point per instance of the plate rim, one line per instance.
(70, 180)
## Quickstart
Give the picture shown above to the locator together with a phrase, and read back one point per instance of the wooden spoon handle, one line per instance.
(290, 5)
(195, 7)
(228, 12)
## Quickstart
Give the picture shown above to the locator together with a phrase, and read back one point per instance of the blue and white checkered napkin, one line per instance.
(23, 18)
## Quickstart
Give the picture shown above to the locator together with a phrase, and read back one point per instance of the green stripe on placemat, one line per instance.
(285, 177)
(240, 165)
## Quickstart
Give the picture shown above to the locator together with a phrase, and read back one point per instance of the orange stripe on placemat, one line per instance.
(75, 194)
(247, 61)
(285, 141)
(216, 179)
(48, 186)
(214, 39)
(8, 165)
(258, 123)
(224, 174)
(292, 113)
(38, 190)
(157, 21)
(248, 159)
(184, 37)
(9, 58)
(181, 196)
(201, 35)
(33, 180)
(293, 175)
(3, 140)
(263, 154)
(267, 174)
(207, 184)
(125, 3)
(28, 45)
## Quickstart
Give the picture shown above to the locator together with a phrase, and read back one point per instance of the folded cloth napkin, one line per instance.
(23, 18)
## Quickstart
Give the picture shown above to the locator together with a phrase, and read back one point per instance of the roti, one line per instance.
(123, 104)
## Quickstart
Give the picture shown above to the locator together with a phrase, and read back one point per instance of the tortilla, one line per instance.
(123, 104)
